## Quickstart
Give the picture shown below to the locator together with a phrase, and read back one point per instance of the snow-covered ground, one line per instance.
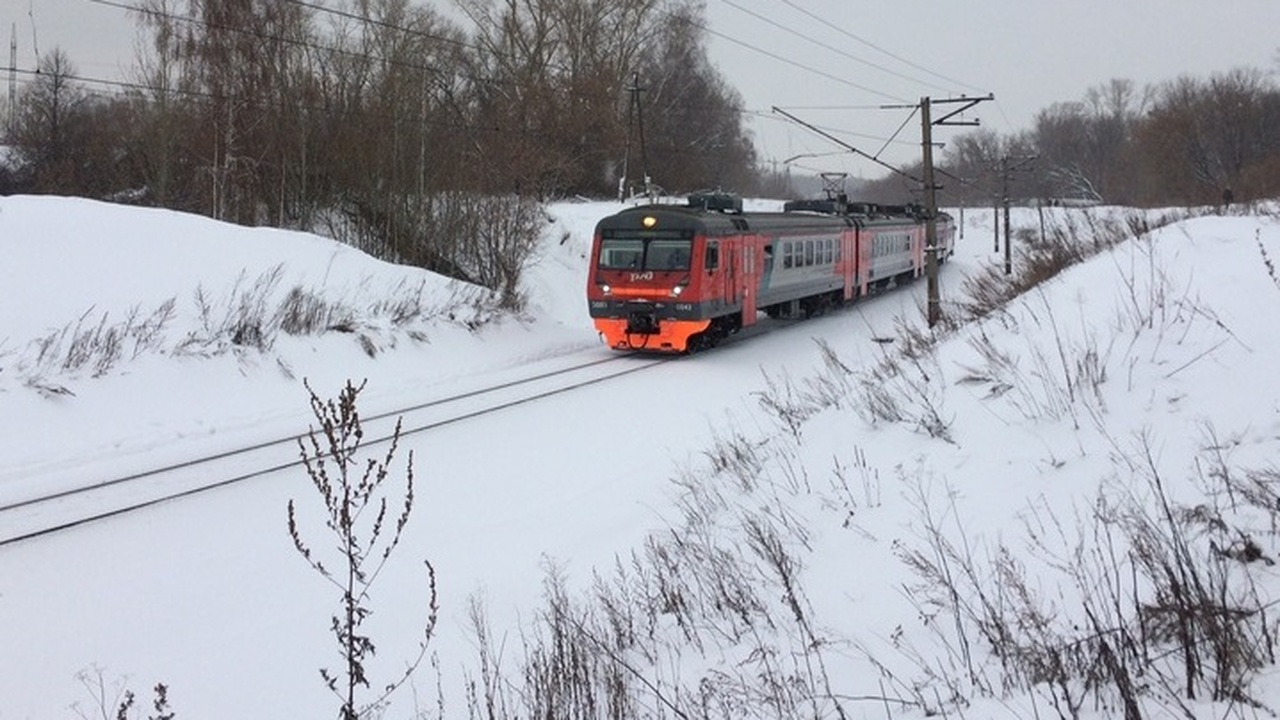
(1151, 359)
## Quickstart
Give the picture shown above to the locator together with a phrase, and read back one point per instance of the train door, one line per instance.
(730, 274)
(713, 286)
(866, 258)
(847, 261)
(748, 282)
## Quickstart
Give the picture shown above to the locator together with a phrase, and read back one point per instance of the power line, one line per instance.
(760, 114)
(831, 107)
(123, 88)
(754, 48)
(825, 46)
(382, 24)
(877, 48)
(264, 36)
(846, 145)
(366, 55)
(311, 45)
(307, 41)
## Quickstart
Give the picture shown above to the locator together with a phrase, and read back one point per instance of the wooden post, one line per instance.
(1008, 240)
(995, 222)
(931, 214)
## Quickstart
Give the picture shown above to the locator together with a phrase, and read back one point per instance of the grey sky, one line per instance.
(1029, 53)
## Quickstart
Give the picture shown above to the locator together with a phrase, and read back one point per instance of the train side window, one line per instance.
(829, 250)
(808, 252)
(787, 257)
(712, 259)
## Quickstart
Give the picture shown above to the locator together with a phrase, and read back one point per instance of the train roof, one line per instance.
(723, 215)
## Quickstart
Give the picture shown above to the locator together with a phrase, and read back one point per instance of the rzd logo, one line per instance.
(636, 277)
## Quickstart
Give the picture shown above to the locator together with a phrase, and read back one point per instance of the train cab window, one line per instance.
(668, 255)
(619, 254)
(711, 261)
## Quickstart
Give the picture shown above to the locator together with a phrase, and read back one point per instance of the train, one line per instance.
(678, 278)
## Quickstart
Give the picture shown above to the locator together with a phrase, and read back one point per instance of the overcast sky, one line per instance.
(802, 55)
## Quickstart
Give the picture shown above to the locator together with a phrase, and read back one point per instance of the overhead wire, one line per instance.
(788, 61)
(310, 45)
(305, 43)
(887, 142)
(381, 23)
(825, 46)
(759, 114)
(300, 42)
(318, 7)
(877, 48)
(122, 89)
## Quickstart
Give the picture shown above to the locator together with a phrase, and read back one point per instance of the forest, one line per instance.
(1184, 142)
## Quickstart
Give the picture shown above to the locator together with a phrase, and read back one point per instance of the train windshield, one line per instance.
(618, 253)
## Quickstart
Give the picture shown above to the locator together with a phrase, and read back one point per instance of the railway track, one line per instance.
(42, 514)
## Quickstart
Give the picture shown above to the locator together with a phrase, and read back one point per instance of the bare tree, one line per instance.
(1086, 146)
(48, 118)
(1203, 137)
(697, 136)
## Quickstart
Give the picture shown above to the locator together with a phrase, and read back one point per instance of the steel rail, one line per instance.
(412, 429)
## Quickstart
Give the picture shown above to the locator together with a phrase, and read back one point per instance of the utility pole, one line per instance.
(1008, 166)
(931, 187)
(931, 213)
(13, 78)
(635, 118)
(995, 221)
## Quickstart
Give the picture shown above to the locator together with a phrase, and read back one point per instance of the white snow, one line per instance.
(1135, 360)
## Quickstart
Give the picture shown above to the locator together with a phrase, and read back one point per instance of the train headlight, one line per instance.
(675, 291)
(606, 289)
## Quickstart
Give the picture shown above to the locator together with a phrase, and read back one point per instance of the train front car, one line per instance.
(647, 267)
(672, 279)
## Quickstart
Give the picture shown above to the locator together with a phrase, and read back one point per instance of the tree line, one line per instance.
(385, 123)
(1189, 141)
(389, 125)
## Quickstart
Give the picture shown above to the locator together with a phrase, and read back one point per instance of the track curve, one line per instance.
(43, 514)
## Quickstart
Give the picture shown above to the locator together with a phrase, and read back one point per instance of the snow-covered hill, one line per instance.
(805, 471)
